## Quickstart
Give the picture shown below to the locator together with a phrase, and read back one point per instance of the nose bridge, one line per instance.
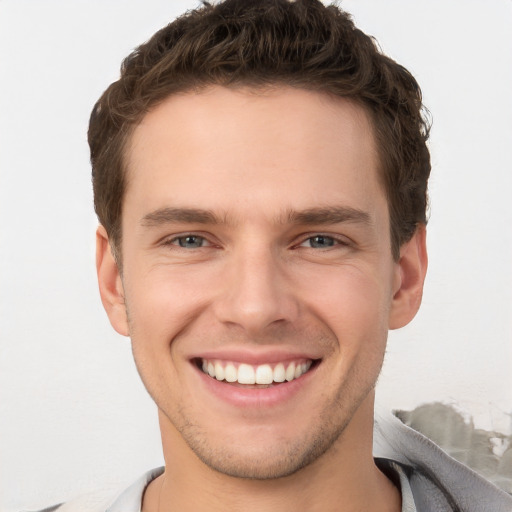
(256, 294)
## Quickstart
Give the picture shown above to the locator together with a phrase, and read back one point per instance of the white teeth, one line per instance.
(264, 374)
(279, 373)
(260, 374)
(246, 374)
(290, 372)
(219, 371)
(230, 373)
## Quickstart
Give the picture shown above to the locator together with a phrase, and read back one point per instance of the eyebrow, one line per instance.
(329, 215)
(186, 215)
(310, 216)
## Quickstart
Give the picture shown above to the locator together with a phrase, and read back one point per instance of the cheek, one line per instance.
(353, 302)
(162, 301)
(159, 308)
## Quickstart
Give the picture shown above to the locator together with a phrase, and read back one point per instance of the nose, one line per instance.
(257, 292)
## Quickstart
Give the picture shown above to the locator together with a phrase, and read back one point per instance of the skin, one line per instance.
(257, 282)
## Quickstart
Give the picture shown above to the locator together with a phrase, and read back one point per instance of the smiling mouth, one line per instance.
(262, 375)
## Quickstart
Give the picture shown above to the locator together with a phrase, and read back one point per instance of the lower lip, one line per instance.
(247, 397)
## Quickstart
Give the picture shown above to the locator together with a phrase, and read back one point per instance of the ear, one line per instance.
(110, 283)
(410, 273)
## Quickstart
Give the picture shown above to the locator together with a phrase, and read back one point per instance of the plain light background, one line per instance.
(73, 414)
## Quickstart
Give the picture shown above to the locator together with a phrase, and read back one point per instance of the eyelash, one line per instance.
(175, 241)
(333, 240)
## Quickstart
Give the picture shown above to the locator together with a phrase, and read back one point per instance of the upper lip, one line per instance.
(255, 357)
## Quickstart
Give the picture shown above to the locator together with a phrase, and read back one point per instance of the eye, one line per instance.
(189, 241)
(320, 242)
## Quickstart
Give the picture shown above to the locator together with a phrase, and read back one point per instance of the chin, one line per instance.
(267, 459)
(259, 466)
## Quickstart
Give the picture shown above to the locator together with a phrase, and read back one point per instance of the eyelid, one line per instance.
(171, 240)
(340, 240)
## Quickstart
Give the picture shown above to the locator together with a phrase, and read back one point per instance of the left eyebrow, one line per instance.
(328, 215)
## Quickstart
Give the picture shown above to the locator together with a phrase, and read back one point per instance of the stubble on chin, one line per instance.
(278, 459)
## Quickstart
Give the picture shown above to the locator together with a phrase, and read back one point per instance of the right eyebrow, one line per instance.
(187, 215)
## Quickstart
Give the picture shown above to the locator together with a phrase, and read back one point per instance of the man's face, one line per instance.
(256, 247)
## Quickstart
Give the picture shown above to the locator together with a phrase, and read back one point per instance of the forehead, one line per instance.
(245, 149)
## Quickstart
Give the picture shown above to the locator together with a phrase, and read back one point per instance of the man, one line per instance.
(260, 176)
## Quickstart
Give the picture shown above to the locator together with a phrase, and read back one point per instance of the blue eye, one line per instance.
(321, 241)
(190, 241)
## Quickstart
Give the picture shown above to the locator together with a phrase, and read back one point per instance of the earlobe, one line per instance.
(410, 276)
(110, 283)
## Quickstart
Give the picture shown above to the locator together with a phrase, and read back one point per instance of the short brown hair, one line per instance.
(261, 43)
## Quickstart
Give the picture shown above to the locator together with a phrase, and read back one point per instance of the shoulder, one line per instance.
(437, 481)
(51, 509)
(108, 500)
(92, 502)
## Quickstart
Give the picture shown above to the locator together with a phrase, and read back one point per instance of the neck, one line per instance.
(345, 474)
